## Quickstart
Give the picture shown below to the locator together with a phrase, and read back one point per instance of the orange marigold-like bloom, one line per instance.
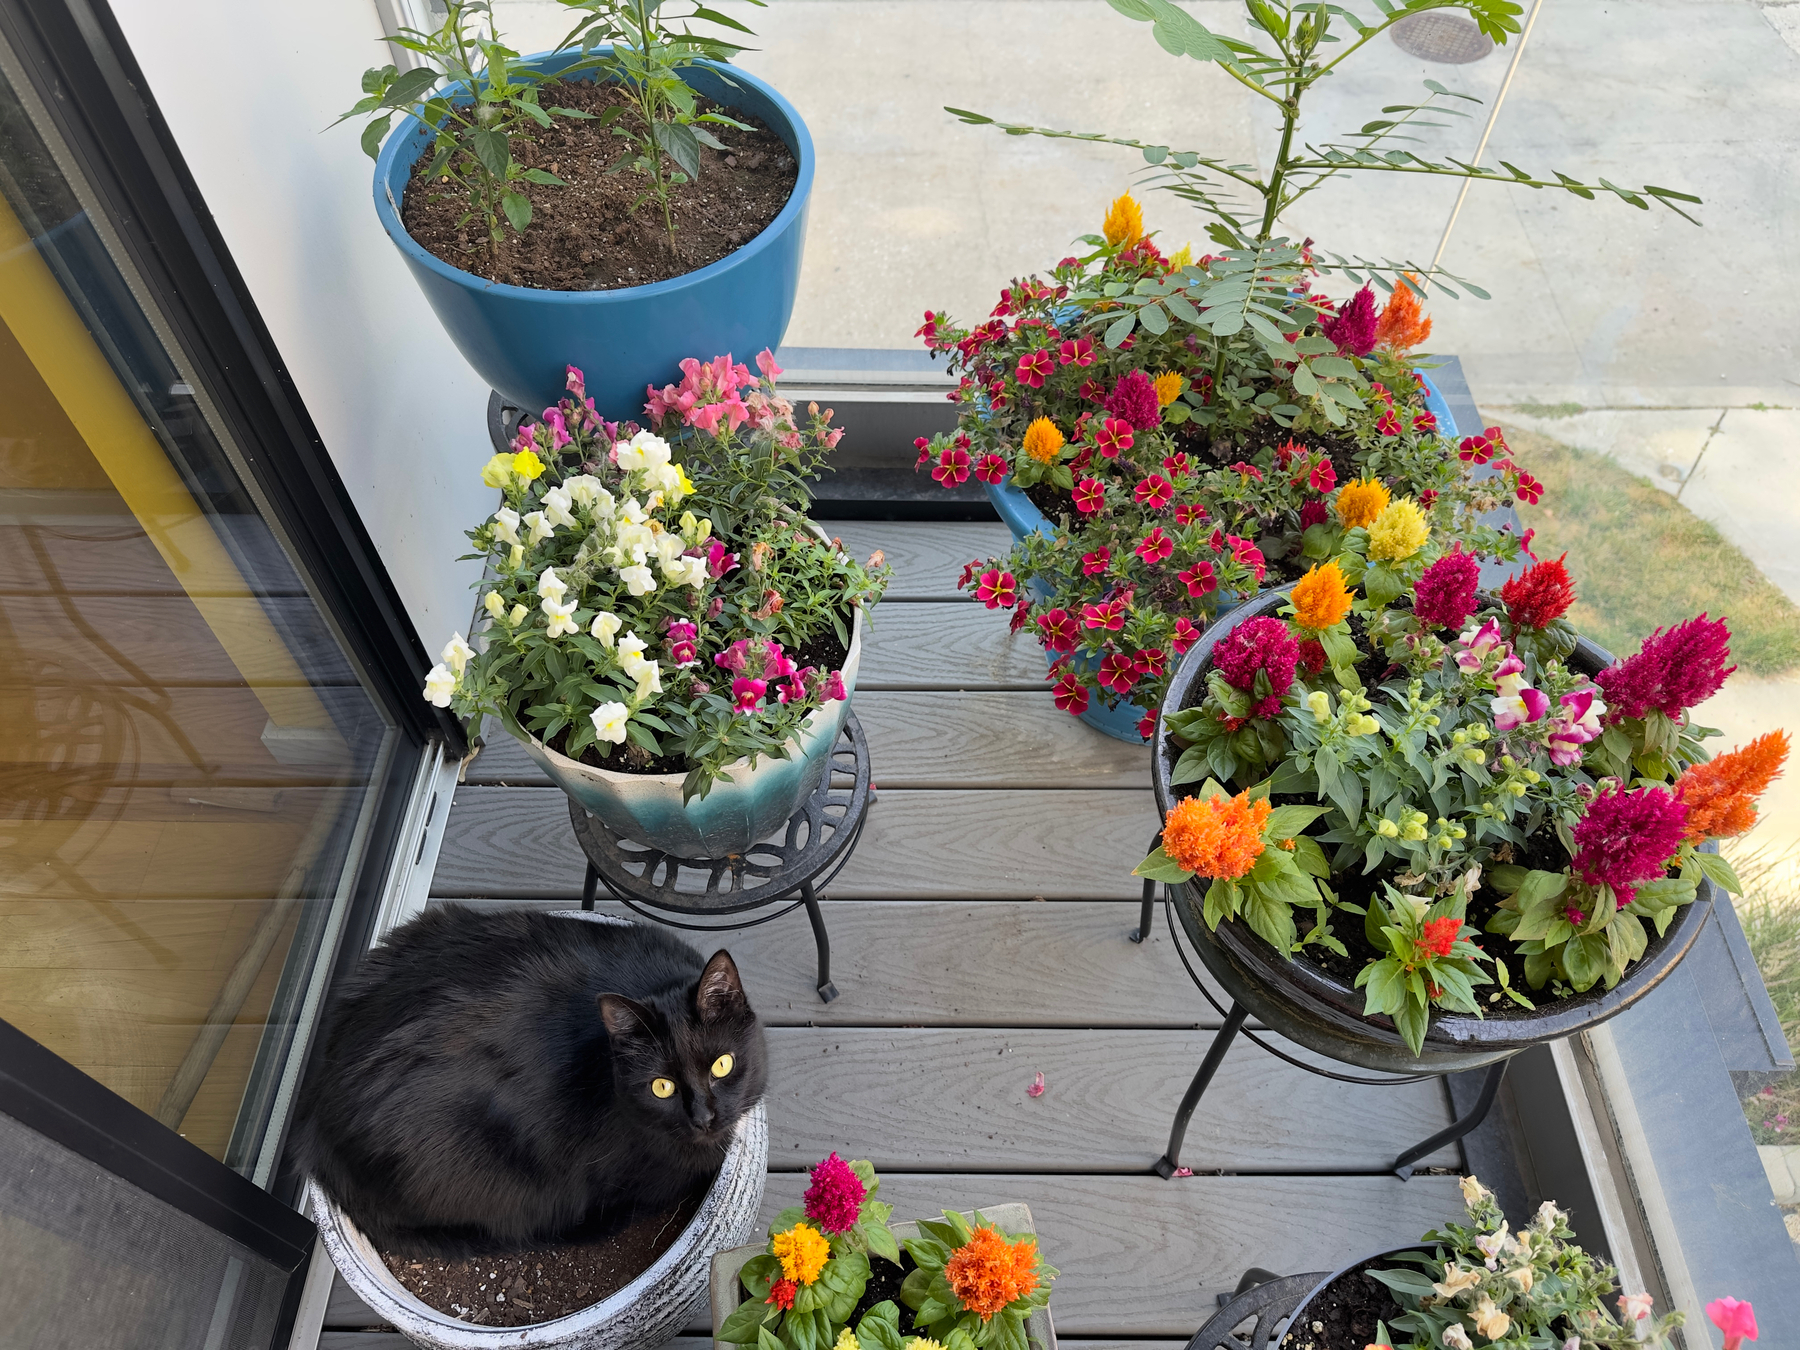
(1216, 836)
(1124, 223)
(1321, 599)
(1362, 502)
(1043, 440)
(1721, 794)
(1168, 386)
(1402, 326)
(987, 1272)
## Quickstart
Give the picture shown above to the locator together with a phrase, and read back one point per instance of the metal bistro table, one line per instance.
(804, 856)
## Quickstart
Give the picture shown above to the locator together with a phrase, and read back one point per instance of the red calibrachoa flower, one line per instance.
(923, 446)
(1118, 672)
(1247, 553)
(1095, 563)
(952, 466)
(1248, 470)
(1113, 437)
(1146, 727)
(1440, 935)
(1186, 635)
(1090, 496)
(1077, 352)
(1150, 662)
(1529, 490)
(1179, 462)
(1425, 421)
(1538, 595)
(1388, 424)
(1155, 546)
(1480, 449)
(1323, 477)
(1110, 616)
(1190, 514)
(1200, 579)
(1033, 367)
(1070, 695)
(1058, 628)
(1092, 390)
(996, 588)
(990, 468)
(1155, 492)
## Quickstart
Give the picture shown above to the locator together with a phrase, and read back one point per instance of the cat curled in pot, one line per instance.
(496, 1081)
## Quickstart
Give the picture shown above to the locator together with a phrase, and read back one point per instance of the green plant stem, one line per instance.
(1290, 114)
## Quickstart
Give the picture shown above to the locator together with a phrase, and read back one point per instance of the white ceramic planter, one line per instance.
(746, 805)
(648, 1312)
(1009, 1218)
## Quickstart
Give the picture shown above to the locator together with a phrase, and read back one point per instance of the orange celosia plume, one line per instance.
(1721, 794)
(1043, 440)
(1216, 836)
(1402, 326)
(987, 1272)
(1321, 599)
(1362, 502)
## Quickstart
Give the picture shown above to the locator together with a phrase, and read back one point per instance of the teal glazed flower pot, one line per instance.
(746, 805)
(519, 338)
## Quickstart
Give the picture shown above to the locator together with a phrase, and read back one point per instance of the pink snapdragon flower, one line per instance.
(681, 638)
(747, 694)
(1735, 1318)
(765, 362)
(1576, 725)
(1514, 710)
(1477, 645)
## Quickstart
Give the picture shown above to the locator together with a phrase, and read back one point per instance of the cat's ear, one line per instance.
(623, 1017)
(720, 990)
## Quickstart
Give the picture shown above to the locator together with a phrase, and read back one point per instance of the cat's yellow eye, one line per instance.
(722, 1065)
(663, 1087)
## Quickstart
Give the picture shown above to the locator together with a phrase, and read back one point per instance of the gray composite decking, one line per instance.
(979, 936)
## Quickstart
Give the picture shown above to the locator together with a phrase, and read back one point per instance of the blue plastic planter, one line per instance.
(519, 339)
(1022, 518)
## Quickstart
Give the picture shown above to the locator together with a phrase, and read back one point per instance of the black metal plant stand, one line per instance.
(804, 856)
(1233, 1026)
(1263, 1295)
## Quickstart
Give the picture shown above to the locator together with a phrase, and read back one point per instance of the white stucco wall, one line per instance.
(248, 87)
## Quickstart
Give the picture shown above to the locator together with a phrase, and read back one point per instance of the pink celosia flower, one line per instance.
(1113, 437)
(952, 466)
(1258, 645)
(1675, 669)
(1077, 352)
(1155, 492)
(1313, 513)
(1352, 328)
(990, 468)
(1094, 564)
(1323, 477)
(1191, 513)
(1033, 367)
(747, 694)
(1134, 399)
(1200, 579)
(1058, 629)
(1070, 695)
(1445, 594)
(1312, 656)
(1735, 1318)
(1477, 645)
(1090, 496)
(996, 588)
(1628, 837)
(1186, 635)
(1118, 672)
(1110, 615)
(1155, 546)
(835, 1196)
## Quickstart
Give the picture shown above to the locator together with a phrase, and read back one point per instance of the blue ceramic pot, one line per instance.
(519, 338)
(1023, 518)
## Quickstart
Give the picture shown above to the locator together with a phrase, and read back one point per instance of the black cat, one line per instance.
(494, 1081)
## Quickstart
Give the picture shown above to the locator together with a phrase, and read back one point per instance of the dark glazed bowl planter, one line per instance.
(1303, 1002)
(519, 338)
(1301, 1336)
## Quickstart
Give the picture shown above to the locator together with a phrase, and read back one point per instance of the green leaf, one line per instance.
(1718, 871)
(680, 144)
(881, 1241)
(1159, 866)
(1586, 958)
(373, 134)
(493, 149)
(409, 88)
(741, 1326)
(765, 1340)
(544, 177)
(1411, 1282)
(1285, 822)
(1120, 329)
(518, 209)
(1269, 919)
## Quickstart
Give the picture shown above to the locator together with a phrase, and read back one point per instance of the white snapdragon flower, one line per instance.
(638, 579)
(669, 547)
(506, 525)
(551, 586)
(456, 652)
(541, 529)
(633, 542)
(518, 616)
(439, 685)
(495, 605)
(649, 680)
(585, 489)
(696, 574)
(646, 450)
(609, 722)
(561, 618)
(604, 628)
(632, 511)
(559, 506)
(1455, 1338)
(664, 478)
(631, 653)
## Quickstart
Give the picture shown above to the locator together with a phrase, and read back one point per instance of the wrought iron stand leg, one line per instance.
(1143, 929)
(587, 887)
(1167, 1165)
(827, 990)
(1403, 1165)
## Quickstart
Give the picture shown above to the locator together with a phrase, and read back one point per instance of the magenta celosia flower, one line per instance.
(1445, 595)
(1258, 645)
(1353, 326)
(1114, 436)
(1186, 635)
(1628, 837)
(835, 1196)
(1058, 629)
(1673, 671)
(1313, 513)
(1134, 399)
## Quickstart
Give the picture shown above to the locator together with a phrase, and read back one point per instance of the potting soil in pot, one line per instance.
(538, 1286)
(1343, 1315)
(585, 236)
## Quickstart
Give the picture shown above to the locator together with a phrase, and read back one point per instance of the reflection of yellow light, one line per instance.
(58, 345)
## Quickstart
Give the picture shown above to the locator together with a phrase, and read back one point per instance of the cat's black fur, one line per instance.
(485, 1081)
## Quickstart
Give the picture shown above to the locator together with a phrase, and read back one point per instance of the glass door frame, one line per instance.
(84, 76)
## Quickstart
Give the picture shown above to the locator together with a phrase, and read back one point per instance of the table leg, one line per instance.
(1403, 1165)
(1143, 929)
(587, 887)
(827, 990)
(1170, 1162)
